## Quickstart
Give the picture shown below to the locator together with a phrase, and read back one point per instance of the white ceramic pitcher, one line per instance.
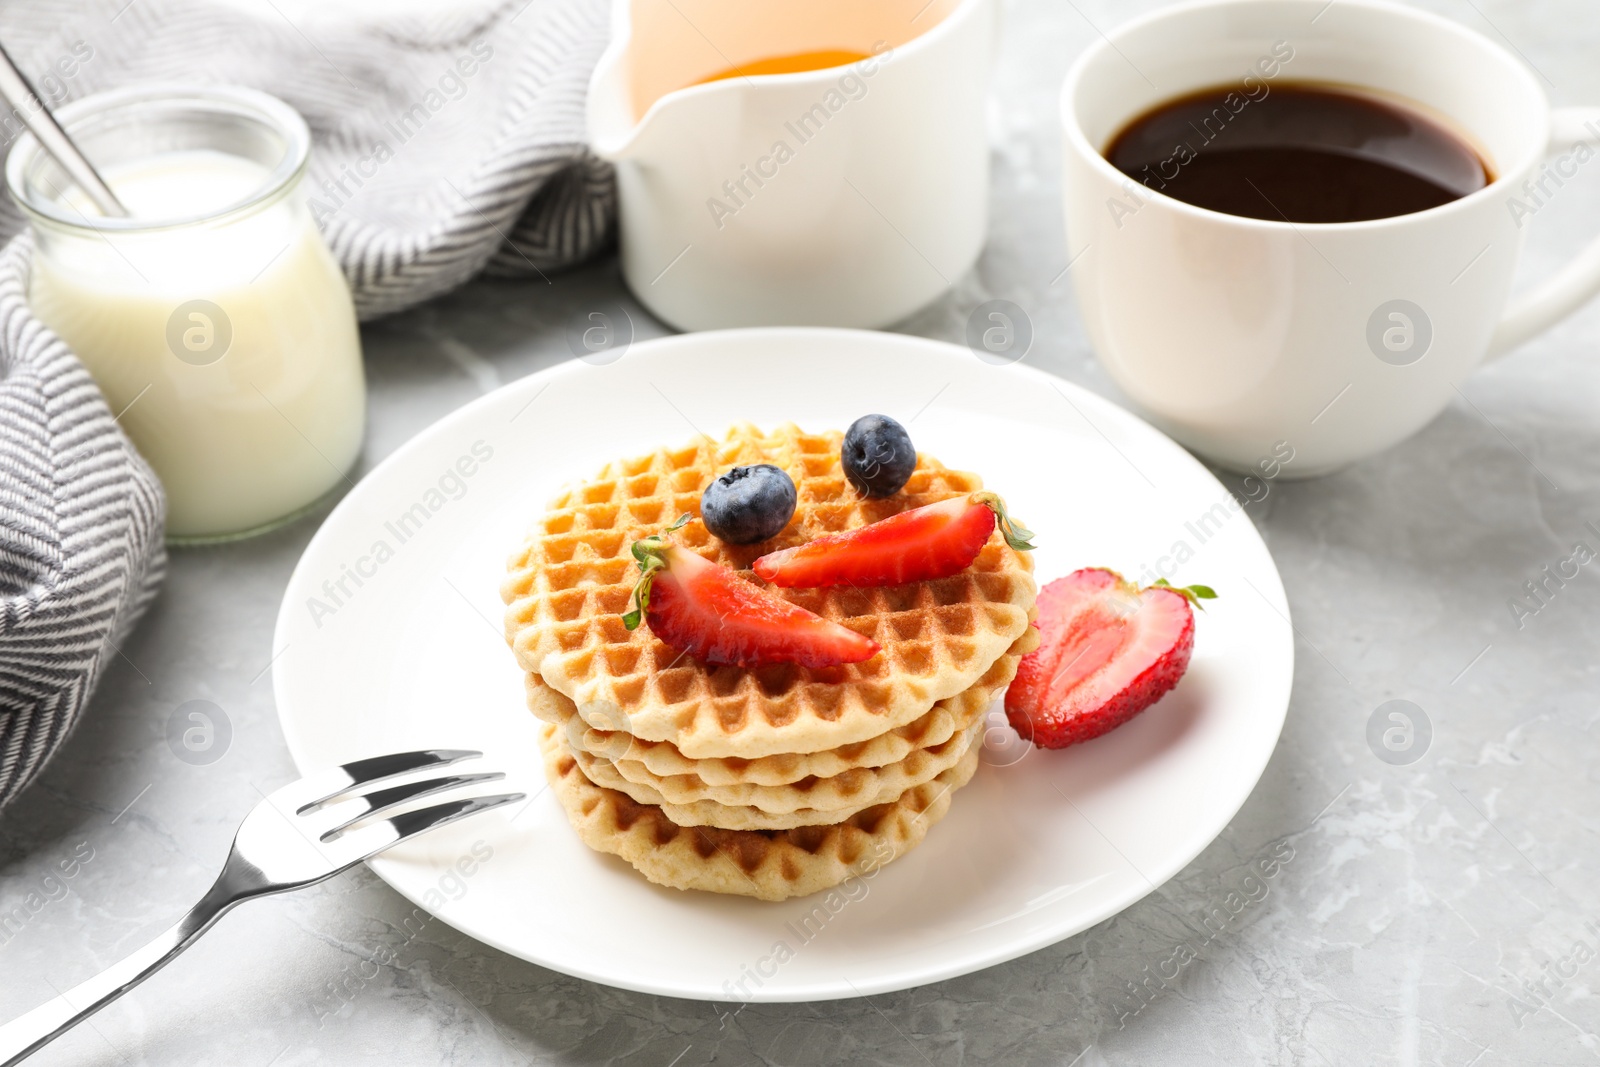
(845, 196)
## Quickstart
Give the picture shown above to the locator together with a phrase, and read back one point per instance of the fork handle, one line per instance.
(26, 1034)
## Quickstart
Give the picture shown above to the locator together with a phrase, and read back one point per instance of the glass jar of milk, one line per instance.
(214, 318)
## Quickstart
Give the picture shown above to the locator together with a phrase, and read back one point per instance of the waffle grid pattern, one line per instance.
(570, 584)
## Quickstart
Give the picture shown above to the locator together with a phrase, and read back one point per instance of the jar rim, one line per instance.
(236, 101)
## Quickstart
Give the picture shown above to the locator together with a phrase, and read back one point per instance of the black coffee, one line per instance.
(1297, 151)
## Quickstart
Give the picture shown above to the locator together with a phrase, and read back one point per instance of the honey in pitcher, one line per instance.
(789, 64)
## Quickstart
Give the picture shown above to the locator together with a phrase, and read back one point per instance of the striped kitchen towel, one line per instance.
(448, 142)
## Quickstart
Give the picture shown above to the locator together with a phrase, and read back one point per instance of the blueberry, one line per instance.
(877, 454)
(748, 504)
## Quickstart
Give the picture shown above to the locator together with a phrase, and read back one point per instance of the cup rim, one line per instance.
(1080, 141)
(218, 99)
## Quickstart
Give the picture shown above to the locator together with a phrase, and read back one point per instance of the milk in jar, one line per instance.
(214, 319)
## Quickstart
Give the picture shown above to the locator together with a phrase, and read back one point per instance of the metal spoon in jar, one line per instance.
(19, 92)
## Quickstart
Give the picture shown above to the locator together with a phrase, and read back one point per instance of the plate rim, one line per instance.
(902, 977)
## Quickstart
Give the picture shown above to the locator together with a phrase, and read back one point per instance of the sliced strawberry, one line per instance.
(919, 545)
(719, 618)
(1108, 651)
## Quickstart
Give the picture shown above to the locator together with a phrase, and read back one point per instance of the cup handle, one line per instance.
(1579, 280)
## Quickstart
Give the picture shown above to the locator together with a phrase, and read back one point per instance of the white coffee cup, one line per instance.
(1239, 336)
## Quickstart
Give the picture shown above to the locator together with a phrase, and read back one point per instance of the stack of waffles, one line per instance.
(768, 782)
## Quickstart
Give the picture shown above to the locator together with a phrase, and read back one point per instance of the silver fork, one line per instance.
(300, 835)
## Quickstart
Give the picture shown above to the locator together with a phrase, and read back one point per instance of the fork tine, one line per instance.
(348, 812)
(410, 823)
(336, 781)
(358, 845)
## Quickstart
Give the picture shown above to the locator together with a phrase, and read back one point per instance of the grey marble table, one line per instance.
(1441, 912)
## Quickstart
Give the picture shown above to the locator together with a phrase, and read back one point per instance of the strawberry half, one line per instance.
(1108, 651)
(919, 545)
(719, 618)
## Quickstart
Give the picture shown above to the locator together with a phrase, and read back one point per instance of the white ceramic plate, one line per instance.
(389, 638)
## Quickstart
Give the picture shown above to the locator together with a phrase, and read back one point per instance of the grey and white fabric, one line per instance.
(446, 143)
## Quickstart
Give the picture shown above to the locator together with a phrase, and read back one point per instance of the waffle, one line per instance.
(785, 807)
(769, 865)
(653, 762)
(571, 582)
(661, 759)
(690, 800)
